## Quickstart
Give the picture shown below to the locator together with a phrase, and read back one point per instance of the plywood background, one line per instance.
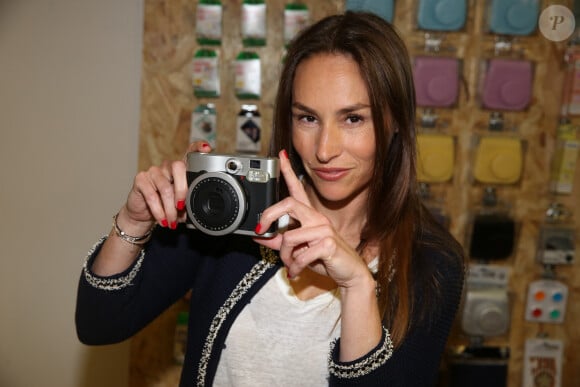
(167, 103)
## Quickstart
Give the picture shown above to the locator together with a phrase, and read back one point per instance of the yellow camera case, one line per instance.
(498, 160)
(435, 157)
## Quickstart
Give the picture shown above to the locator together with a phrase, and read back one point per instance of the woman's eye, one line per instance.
(306, 118)
(353, 119)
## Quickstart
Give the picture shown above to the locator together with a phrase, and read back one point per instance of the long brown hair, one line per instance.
(395, 215)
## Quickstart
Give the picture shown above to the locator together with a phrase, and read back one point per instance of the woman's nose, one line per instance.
(329, 143)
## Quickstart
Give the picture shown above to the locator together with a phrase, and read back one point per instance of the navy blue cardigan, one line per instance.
(224, 273)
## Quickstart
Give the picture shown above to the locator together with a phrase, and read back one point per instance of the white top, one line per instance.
(280, 340)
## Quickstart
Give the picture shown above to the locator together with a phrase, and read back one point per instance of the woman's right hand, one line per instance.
(158, 195)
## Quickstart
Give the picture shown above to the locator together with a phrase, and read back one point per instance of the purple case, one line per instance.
(507, 84)
(436, 81)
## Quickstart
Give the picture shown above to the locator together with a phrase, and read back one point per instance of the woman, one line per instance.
(363, 287)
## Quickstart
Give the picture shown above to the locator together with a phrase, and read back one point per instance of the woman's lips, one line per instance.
(330, 174)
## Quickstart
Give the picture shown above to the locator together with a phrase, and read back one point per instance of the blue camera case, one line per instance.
(382, 8)
(441, 15)
(513, 17)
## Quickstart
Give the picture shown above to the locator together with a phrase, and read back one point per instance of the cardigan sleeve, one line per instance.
(415, 362)
(112, 309)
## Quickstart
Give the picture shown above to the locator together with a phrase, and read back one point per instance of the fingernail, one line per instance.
(258, 228)
(285, 153)
(181, 205)
(205, 145)
(164, 223)
(173, 225)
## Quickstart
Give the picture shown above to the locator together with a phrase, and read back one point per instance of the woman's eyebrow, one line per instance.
(354, 108)
(345, 110)
(298, 105)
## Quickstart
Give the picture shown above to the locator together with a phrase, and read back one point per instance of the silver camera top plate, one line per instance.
(258, 169)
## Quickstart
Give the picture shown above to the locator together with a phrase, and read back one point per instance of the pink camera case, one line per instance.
(507, 84)
(436, 81)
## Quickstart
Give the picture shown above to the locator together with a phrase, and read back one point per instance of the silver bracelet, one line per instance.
(140, 240)
(111, 283)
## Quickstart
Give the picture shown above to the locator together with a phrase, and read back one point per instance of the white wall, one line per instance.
(69, 117)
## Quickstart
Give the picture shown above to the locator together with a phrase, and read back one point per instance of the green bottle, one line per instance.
(206, 79)
(248, 75)
(180, 337)
(253, 23)
(209, 22)
(203, 124)
(296, 18)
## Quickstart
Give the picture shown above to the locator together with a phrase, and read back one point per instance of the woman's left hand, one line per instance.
(315, 243)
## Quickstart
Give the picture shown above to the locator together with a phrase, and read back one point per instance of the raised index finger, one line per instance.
(295, 187)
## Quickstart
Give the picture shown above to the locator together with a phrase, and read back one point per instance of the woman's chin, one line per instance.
(338, 196)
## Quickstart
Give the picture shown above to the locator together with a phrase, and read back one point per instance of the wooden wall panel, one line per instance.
(167, 102)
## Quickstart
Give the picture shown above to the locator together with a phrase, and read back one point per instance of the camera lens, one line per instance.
(216, 203)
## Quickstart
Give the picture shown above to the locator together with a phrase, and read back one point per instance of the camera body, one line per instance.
(557, 245)
(486, 311)
(228, 193)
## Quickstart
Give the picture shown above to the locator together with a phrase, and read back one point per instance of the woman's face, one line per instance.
(332, 126)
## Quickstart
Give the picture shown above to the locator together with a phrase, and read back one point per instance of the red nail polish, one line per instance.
(258, 228)
(205, 145)
(181, 205)
(173, 225)
(285, 153)
(164, 223)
